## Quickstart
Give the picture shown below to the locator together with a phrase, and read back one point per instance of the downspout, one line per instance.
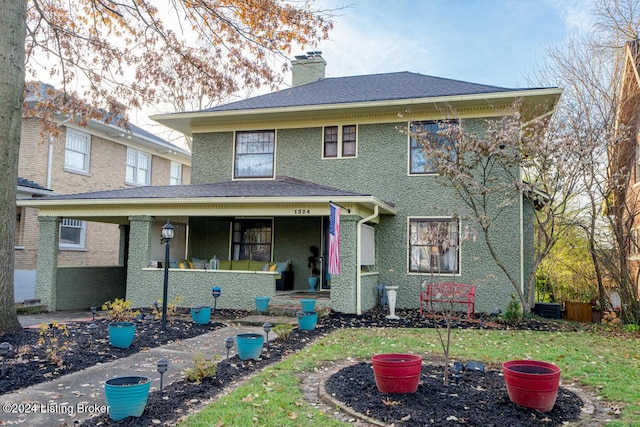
(49, 162)
(359, 258)
(522, 241)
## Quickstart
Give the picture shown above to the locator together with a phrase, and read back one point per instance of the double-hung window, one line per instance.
(434, 245)
(254, 154)
(251, 239)
(419, 162)
(176, 174)
(339, 141)
(77, 151)
(72, 233)
(138, 167)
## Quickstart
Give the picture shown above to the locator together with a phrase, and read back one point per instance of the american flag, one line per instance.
(334, 239)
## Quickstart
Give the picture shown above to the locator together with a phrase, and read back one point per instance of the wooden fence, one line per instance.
(578, 312)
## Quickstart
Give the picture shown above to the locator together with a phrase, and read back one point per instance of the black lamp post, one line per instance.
(215, 292)
(167, 235)
(92, 328)
(267, 328)
(93, 312)
(228, 342)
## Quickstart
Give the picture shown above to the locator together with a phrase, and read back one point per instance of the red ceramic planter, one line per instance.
(532, 384)
(397, 372)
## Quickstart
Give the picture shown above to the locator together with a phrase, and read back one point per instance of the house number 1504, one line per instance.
(302, 211)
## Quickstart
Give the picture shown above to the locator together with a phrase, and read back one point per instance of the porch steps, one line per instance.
(289, 304)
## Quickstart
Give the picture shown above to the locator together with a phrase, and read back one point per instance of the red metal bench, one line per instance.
(449, 293)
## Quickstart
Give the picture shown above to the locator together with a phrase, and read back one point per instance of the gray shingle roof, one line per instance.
(367, 88)
(282, 186)
(23, 182)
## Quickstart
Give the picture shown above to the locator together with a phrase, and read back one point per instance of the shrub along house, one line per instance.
(264, 171)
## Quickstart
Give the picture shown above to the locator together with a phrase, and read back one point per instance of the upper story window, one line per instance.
(340, 141)
(419, 163)
(176, 174)
(77, 151)
(434, 245)
(254, 154)
(72, 234)
(252, 239)
(138, 167)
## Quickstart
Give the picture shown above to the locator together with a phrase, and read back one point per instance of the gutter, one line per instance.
(359, 258)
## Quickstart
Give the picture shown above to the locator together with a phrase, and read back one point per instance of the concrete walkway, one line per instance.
(80, 395)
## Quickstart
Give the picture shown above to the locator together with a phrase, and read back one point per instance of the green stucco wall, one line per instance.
(47, 262)
(79, 288)
(381, 169)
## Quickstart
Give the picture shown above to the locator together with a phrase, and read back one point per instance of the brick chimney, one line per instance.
(307, 68)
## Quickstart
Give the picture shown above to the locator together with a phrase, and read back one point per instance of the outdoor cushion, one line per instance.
(266, 267)
(282, 266)
(224, 265)
(255, 265)
(240, 264)
(199, 263)
(272, 267)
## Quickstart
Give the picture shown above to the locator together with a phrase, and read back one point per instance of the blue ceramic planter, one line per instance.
(262, 303)
(121, 334)
(307, 320)
(201, 315)
(249, 346)
(308, 304)
(126, 396)
(313, 282)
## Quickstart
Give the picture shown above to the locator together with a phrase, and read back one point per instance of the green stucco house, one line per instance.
(264, 173)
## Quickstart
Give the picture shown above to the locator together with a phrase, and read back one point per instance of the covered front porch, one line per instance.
(278, 226)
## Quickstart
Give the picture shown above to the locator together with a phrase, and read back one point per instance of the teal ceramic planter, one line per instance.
(313, 282)
(201, 315)
(307, 320)
(262, 303)
(121, 334)
(308, 304)
(126, 396)
(249, 346)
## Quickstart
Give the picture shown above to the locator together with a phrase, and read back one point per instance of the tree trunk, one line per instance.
(12, 75)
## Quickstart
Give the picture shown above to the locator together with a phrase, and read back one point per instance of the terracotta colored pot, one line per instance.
(532, 384)
(397, 372)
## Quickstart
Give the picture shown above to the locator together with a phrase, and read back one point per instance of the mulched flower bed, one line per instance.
(179, 398)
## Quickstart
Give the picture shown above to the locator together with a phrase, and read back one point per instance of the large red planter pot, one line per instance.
(397, 372)
(532, 384)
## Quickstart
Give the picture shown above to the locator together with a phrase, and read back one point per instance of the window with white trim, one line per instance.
(419, 163)
(339, 141)
(254, 154)
(77, 151)
(176, 174)
(138, 167)
(72, 233)
(434, 245)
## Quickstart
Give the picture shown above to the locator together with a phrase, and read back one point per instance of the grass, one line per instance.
(606, 364)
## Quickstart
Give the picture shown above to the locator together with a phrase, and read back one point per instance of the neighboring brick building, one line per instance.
(96, 157)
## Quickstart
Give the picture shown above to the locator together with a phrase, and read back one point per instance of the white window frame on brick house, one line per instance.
(340, 141)
(138, 169)
(75, 227)
(77, 153)
(254, 154)
(175, 177)
(434, 245)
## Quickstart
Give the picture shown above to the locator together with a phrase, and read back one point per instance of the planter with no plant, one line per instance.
(262, 303)
(532, 384)
(201, 315)
(126, 396)
(397, 372)
(121, 334)
(307, 320)
(249, 345)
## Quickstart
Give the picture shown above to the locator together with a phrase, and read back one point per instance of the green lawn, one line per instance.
(608, 365)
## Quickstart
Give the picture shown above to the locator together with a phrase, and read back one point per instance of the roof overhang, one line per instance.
(179, 210)
(474, 105)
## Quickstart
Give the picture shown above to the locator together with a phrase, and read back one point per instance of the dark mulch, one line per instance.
(183, 396)
(477, 399)
(29, 359)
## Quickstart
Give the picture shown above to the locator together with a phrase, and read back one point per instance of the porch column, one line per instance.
(343, 285)
(123, 251)
(47, 262)
(139, 254)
